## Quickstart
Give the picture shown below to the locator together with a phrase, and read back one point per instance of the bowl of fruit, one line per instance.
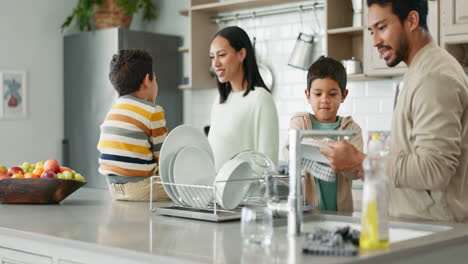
(40, 183)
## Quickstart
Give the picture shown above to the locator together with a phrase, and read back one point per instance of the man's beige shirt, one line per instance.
(428, 165)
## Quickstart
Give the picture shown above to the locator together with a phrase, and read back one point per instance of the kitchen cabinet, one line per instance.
(454, 29)
(455, 16)
(374, 64)
(11, 256)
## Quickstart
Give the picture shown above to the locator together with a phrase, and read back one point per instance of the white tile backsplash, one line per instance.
(370, 103)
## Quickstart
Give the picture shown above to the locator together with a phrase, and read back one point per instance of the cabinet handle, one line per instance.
(463, 18)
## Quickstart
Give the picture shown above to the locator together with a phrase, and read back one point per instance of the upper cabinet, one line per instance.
(375, 65)
(454, 29)
(455, 14)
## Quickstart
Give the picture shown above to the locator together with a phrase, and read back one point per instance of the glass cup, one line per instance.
(257, 225)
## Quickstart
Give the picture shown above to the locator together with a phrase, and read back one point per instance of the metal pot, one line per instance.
(301, 56)
(352, 66)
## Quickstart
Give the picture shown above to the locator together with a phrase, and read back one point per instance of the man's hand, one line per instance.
(343, 156)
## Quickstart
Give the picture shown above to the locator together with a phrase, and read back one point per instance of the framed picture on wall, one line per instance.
(13, 94)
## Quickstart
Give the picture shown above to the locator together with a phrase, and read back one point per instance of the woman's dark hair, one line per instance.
(402, 8)
(239, 39)
(128, 68)
(326, 67)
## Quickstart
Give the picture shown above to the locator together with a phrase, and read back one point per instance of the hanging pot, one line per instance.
(301, 56)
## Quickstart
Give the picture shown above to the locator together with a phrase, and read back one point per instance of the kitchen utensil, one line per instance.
(357, 13)
(302, 55)
(37, 191)
(193, 166)
(352, 66)
(231, 186)
(178, 138)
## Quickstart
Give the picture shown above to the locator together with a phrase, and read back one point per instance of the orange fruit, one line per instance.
(38, 171)
(18, 175)
(31, 175)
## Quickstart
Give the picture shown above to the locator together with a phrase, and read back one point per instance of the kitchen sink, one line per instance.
(399, 231)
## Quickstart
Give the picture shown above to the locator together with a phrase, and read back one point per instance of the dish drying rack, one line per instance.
(204, 206)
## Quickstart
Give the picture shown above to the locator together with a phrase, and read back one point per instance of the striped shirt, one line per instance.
(131, 138)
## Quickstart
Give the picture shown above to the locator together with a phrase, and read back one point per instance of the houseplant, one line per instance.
(108, 13)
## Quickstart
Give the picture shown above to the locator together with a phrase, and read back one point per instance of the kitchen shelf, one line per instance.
(184, 86)
(363, 77)
(183, 49)
(236, 5)
(346, 30)
(184, 12)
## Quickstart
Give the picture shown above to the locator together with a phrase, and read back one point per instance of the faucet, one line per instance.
(293, 207)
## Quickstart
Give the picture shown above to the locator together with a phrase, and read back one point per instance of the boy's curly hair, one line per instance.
(326, 67)
(128, 68)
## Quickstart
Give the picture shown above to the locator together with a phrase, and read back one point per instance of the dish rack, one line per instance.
(204, 206)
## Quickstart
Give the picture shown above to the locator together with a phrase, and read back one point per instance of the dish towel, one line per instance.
(319, 170)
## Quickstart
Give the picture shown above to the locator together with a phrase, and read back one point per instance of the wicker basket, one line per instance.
(109, 14)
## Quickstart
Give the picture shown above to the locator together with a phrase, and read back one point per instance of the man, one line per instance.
(428, 160)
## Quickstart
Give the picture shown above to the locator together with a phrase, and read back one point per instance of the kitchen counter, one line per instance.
(88, 227)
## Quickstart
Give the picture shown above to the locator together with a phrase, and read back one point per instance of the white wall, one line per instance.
(31, 41)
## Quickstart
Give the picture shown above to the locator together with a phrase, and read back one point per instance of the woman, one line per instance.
(244, 116)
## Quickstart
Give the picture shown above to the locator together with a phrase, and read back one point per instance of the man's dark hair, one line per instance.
(239, 39)
(128, 68)
(326, 67)
(402, 8)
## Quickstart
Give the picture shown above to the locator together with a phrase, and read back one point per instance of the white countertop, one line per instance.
(90, 216)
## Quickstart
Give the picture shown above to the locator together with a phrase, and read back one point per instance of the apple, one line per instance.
(68, 175)
(3, 169)
(48, 174)
(4, 175)
(63, 169)
(15, 170)
(26, 165)
(79, 177)
(51, 165)
(61, 176)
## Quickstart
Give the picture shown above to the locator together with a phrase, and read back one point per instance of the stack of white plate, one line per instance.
(186, 158)
(186, 162)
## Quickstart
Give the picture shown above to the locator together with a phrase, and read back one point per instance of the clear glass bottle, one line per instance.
(374, 218)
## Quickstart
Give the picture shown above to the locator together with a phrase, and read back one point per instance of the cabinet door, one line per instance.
(433, 19)
(455, 16)
(10, 256)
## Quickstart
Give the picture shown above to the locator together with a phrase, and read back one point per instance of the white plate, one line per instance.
(311, 151)
(230, 194)
(194, 166)
(178, 138)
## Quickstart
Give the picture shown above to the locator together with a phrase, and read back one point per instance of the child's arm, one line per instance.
(158, 133)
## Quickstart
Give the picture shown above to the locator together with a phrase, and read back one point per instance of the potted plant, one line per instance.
(108, 13)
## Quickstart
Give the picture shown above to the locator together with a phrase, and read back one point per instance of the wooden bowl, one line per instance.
(37, 191)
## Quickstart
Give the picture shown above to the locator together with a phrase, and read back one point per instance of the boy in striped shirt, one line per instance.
(133, 130)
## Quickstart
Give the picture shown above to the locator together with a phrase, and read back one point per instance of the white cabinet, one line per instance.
(455, 16)
(454, 29)
(10, 256)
